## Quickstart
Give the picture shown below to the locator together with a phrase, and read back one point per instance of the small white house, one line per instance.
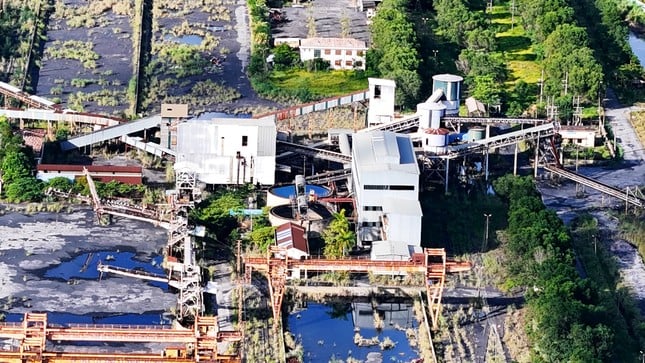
(229, 150)
(584, 136)
(341, 53)
(292, 238)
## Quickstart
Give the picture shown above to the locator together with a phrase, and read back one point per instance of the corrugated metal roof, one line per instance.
(389, 250)
(333, 43)
(383, 151)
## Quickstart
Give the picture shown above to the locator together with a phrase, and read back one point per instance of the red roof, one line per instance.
(90, 168)
(291, 235)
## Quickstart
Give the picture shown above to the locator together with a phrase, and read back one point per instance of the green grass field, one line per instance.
(321, 84)
(516, 47)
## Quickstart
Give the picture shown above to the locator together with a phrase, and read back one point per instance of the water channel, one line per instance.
(638, 47)
(328, 332)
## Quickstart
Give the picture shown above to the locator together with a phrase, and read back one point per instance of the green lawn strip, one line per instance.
(321, 84)
(516, 47)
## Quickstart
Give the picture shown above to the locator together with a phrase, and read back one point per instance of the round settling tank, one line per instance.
(476, 133)
(317, 217)
(280, 194)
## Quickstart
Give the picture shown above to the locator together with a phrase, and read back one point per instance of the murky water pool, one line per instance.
(328, 332)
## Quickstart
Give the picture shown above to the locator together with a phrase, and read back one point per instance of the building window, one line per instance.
(371, 224)
(401, 187)
(337, 62)
(388, 187)
(245, 140)
(360, 53)
(377, 91)
(377, 208)
(348, 63)
(579, 141)
(327, 51)
(316, 53)
(358, 63)
(348, 52)
(338, 51)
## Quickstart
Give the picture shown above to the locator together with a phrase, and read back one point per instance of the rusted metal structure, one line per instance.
(278, 268)
(198, 344)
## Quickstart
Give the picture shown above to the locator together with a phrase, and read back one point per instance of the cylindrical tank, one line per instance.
(435, 137)
(317, 217)
(430, 114)
(280, 194)
(476, 133)
(450, 84)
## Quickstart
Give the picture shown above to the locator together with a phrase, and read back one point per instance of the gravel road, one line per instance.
(562, 198)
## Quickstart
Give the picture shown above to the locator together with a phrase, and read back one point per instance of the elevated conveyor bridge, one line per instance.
(628, 195)
(112, 132)
(315, 152)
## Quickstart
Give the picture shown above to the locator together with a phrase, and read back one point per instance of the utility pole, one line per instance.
(565, 82)
(577, 111)
(541, 84)
(513, 8)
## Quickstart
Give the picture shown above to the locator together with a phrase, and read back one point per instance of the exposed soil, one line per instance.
(31, 244)
(111, 39)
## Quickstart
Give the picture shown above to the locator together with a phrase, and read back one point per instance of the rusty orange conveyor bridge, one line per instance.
(200, 343)
(432, 262)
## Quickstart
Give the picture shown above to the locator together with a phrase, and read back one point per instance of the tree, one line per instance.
(25, 190)
(487, 90)
(284, 57)
(15, 166)
(339, 239)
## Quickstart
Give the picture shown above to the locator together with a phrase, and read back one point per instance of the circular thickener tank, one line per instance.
(435, 137)
(281, 194)
(449, 83)
(476, 133)
(317, 219)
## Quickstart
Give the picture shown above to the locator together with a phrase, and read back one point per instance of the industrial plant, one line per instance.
(375, 173)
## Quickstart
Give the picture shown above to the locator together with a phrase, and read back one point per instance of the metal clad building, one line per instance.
(386, 183)
(229, 150)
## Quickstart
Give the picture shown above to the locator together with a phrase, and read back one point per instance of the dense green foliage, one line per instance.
(394, 51)
(571, 319)
(16, 162)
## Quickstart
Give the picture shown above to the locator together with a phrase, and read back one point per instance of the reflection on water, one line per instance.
(84, 266)
(190, 39)
(59, 318)
(327, 332)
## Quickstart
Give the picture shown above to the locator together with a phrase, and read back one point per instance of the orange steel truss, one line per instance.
(198, 344)
(434, 265)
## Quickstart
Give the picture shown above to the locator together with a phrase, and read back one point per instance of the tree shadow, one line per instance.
(512, 43)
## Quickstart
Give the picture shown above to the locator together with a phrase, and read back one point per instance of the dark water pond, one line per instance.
(326, 332)
(84, 266)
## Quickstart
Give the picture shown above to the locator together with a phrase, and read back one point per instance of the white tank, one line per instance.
(435, 138)
(430, 114)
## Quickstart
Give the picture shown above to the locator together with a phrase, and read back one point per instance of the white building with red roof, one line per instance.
(341, 53)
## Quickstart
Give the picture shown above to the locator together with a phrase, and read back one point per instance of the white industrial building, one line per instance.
(229, 150)
(386, 183)
(382, 98)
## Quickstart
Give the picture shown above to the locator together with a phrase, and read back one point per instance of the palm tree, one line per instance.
(339, 239)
